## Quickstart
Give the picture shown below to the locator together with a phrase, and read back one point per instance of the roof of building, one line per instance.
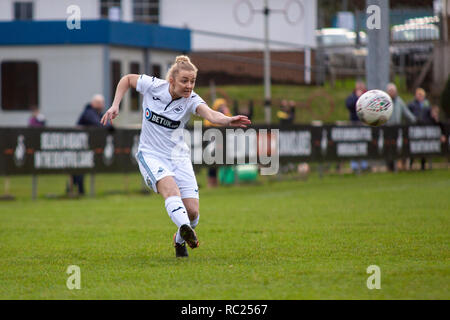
(139, 35)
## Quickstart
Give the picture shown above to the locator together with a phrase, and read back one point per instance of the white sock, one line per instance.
(194, 223)
(176, 210)
(178, 238)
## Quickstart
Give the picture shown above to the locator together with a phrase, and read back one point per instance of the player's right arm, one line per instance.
(127, 82)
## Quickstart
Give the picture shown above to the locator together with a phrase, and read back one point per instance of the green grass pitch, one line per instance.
(277, 240)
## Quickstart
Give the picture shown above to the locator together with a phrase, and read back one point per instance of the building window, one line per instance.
(146, 11)
(116, 74)
(23, 10)
(110, 9)
(20, 85)
(134, 101)
(156, 70)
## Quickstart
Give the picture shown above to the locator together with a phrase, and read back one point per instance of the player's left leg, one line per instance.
(192, 207)
(187, 184)
(178, 213)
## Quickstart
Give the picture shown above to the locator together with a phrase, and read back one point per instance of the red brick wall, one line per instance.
(248, 67)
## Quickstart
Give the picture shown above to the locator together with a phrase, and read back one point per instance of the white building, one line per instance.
(65, 67)
(291, 21)
(57, 68)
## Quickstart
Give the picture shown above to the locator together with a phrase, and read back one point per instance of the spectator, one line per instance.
(37, 119)
(432, 118)
(360, 89)
(350, 102)
(420, 105)
(292, 106)
(221, 106)
(246, 111)
(400, 112)
(286, 113)
(90, 117)
(92, 113)
(435, 110)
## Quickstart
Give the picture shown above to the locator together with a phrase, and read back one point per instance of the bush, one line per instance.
(445, 99)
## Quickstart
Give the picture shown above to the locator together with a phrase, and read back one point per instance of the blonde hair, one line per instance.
(422, 91)
(181, 63)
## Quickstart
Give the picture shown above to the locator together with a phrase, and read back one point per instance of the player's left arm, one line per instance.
(220, 119)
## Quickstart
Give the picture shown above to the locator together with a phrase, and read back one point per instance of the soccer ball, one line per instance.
(303, 170)
(374, 108)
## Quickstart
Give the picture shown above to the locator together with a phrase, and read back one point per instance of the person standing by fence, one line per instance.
(399, 114)
(420, 107)
(90, 117)
(350, 102)
(221, 106)
(37, 119)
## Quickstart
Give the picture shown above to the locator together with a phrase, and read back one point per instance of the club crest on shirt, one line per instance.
(148, 114)
(178, 109)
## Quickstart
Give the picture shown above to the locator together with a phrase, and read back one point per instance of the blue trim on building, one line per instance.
(95, 32)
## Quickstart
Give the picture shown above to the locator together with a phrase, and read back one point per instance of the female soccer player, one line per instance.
(163, 157)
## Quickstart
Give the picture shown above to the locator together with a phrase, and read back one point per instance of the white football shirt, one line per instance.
(164, 119)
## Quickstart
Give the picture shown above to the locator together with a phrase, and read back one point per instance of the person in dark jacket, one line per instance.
(420, 105)
(93, 112)
(350, 102)
(246, 111)
(431, 117)
(90, 117)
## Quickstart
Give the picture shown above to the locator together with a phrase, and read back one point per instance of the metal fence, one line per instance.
(412, 45)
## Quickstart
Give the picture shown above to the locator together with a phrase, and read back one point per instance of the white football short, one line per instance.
(155, 168)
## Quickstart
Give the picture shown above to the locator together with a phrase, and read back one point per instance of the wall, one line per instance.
(52, 9)
(127, 55)
(57, 10)
(246, 67)
(217, 16)
(6, 10)
(68, 77)
(163, 58)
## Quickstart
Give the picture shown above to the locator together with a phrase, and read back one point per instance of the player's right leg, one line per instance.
(187, 184)
(168, 188)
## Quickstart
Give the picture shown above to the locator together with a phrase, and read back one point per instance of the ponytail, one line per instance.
(181, 63)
